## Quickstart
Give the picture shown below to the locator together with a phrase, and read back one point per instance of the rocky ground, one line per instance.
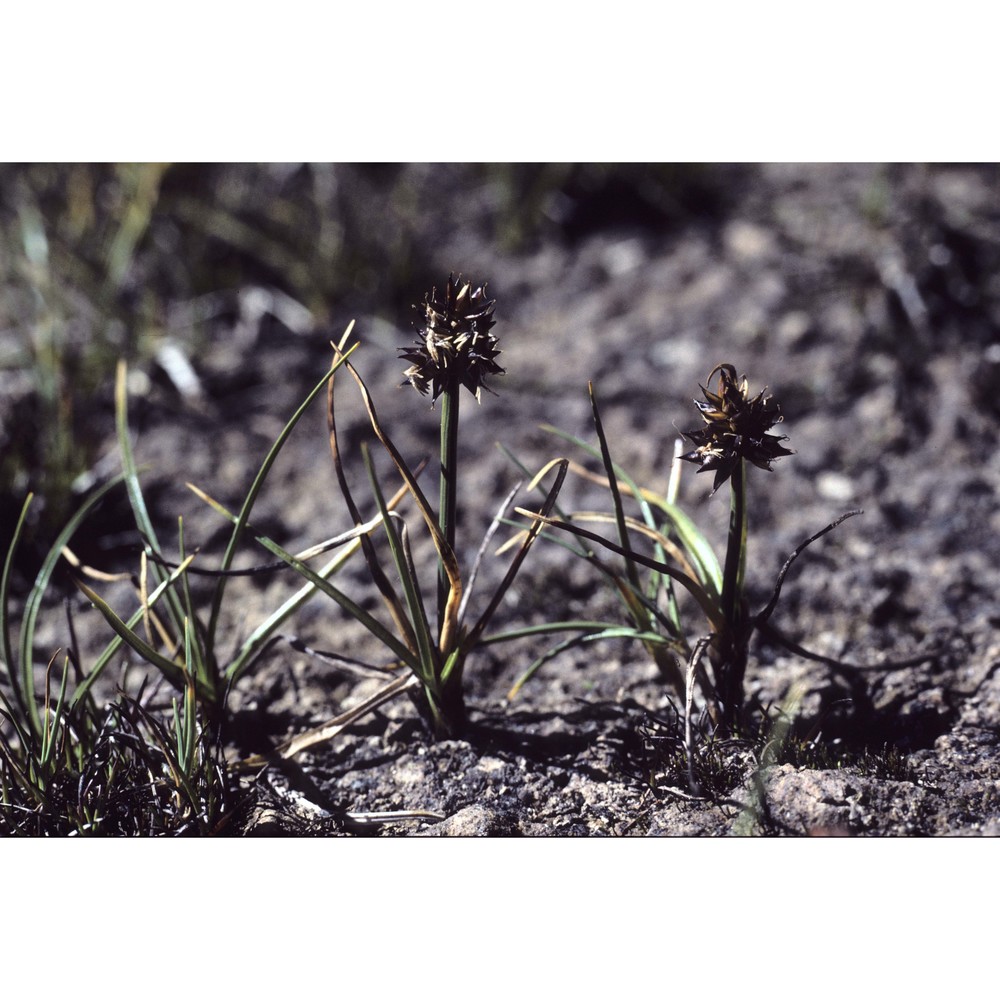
(866, 298)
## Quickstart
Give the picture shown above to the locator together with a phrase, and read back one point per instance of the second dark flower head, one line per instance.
(736, 427)
(454, 346)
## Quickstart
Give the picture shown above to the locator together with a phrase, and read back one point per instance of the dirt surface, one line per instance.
(866, 298)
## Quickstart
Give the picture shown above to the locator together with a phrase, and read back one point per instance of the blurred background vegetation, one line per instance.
(189, 270)
(144, 261)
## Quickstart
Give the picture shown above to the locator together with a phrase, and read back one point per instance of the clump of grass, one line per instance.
(70, 766)
(128, 772)
(455, 350)
(713, 767)
(53, 743)
(189, 635)
(884, 761)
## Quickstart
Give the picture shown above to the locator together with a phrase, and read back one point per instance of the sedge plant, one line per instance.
(736, 433)
(429, 640)
(456, 350)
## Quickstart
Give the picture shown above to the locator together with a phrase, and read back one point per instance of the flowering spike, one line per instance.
(455, 346)
(735, 428)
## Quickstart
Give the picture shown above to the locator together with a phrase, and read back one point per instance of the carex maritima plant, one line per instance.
(735, 432)
(455, 348)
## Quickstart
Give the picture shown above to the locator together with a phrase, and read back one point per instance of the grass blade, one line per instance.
(477, 630)
(525, 472)
(616, 498)
(241, 521)
(710, 610)
(448, 629)
(709, 572)
(768, 610)
(373, 625)
(195, 652)
(330, 729)
(37, 594)
(52, 721)
(174, 672)
(8, 650)
(483, 546)
(379, 578)
(114, 646)
(602, 632)
(427, 652)
(260, 636)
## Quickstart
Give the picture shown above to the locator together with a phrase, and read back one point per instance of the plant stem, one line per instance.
(736, 550)
(732, 654)
(449, 481)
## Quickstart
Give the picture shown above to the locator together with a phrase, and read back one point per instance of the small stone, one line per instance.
(474, 821)
(834, 486)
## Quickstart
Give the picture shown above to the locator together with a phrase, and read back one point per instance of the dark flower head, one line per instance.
(735, 428)
(454, 346)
